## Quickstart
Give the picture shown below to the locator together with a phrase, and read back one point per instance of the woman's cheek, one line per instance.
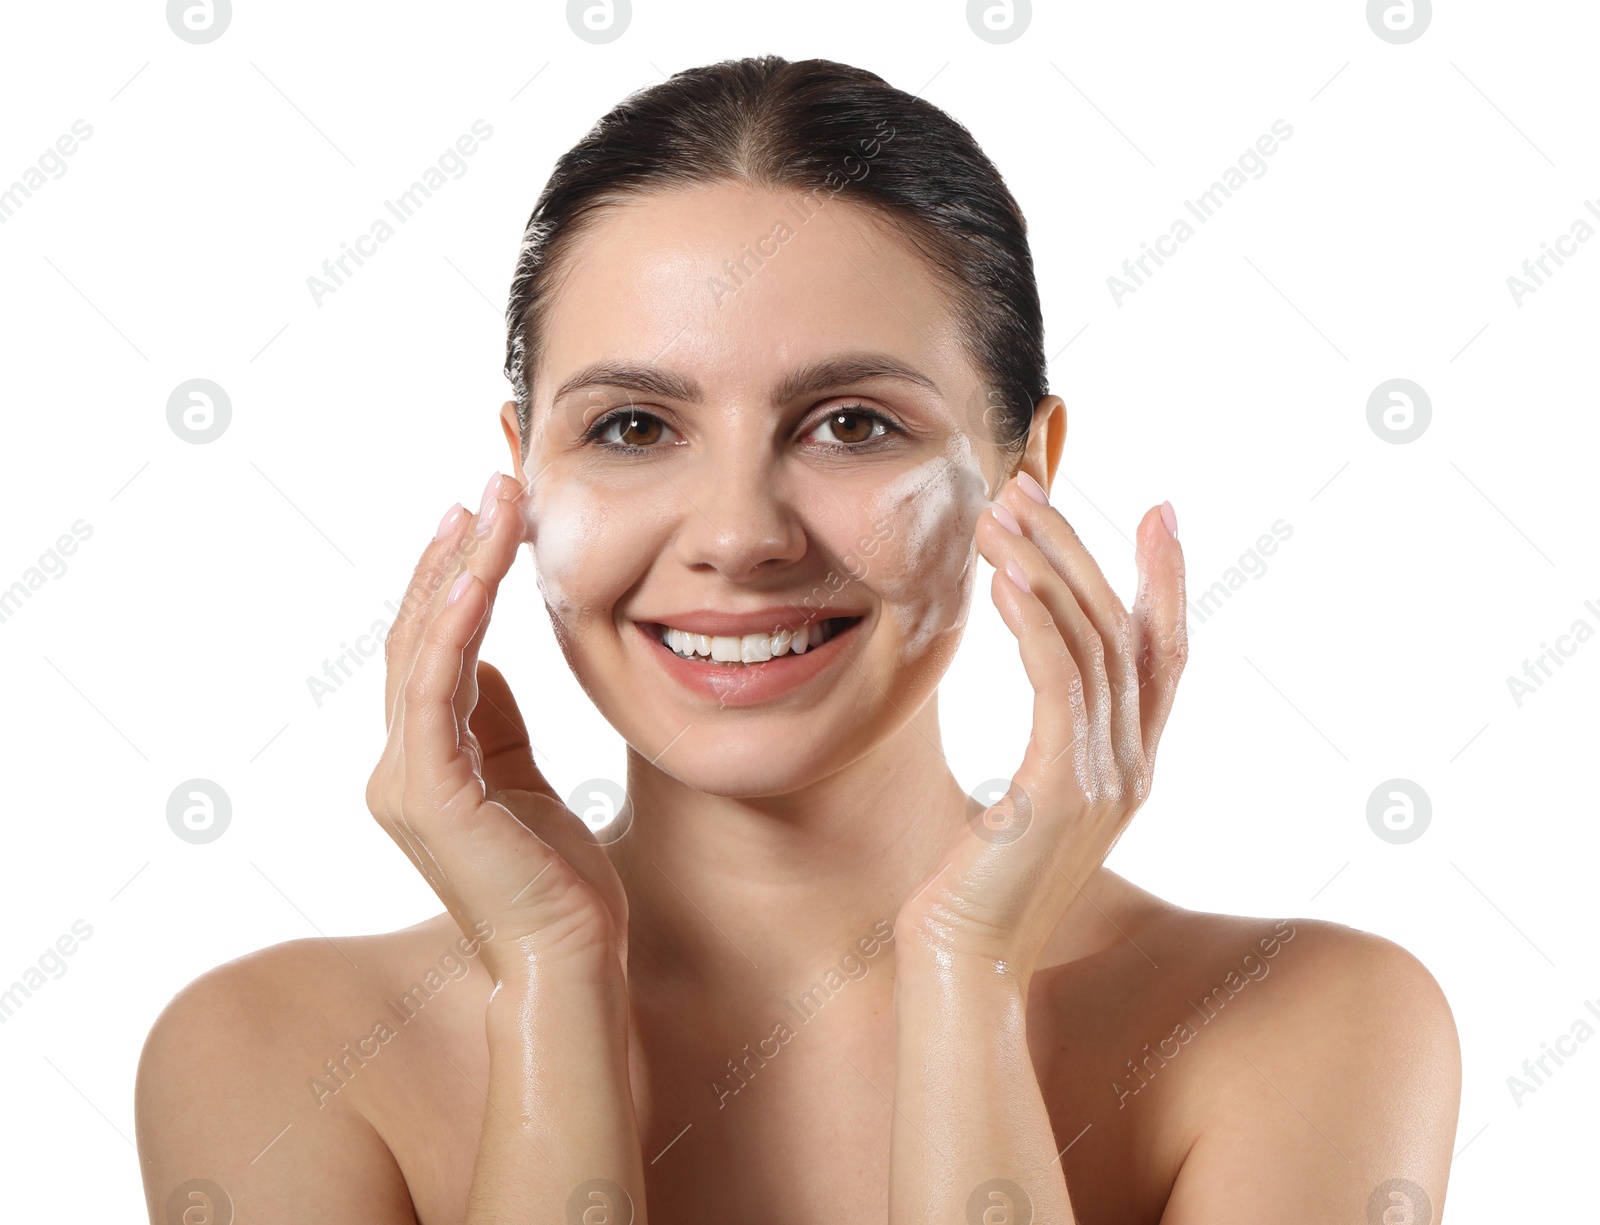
(923, 572)
(571, 529)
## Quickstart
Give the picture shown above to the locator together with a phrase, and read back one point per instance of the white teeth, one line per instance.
(747, 648)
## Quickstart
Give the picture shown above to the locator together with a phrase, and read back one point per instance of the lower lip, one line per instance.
(754, 683)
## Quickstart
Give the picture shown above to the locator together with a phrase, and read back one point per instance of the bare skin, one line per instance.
(1195, 1068)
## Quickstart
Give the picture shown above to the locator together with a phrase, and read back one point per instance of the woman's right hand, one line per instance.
(457, 787)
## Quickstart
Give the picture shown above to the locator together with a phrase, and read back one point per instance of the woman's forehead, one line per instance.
(728, 282)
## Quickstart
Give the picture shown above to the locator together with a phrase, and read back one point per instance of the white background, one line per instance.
(1377, 643)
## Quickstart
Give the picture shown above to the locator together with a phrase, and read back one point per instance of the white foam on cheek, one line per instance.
(565, 523)
(924, 576)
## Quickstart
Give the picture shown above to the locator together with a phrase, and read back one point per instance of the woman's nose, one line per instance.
(737, 519)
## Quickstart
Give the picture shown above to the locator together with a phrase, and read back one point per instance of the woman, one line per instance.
(779, 376)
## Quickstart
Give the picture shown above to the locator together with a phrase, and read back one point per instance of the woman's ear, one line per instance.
(1047, 437)
(513, 433)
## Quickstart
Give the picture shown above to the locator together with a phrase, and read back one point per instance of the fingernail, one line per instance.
(1015, 574)
(1007, 519)
(1170, 518)
(451, 518)
(491, 490)
(458, 587)
(1033, 489)
(486, 518)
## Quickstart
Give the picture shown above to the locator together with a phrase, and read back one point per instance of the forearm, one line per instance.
(968, 1108)
(560, 1106)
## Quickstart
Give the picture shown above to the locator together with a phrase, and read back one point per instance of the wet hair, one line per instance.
(824, 130)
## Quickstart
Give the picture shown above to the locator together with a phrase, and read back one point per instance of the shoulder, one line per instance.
(1325, 1066)
(265, 1002)
(1244, 1069)
(1323, 979)
(282, 997)
(222, 1082)
(1307, 986)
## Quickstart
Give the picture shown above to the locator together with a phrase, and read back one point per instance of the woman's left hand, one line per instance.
(1103, 683)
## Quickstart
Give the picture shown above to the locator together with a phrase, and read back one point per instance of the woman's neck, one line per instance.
(763, 890)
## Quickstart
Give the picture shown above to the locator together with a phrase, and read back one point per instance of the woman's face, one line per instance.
(797, 449)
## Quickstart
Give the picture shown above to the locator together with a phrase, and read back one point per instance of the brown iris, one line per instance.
(639, 431)
(842, 422)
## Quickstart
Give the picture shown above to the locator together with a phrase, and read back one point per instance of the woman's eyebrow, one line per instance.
(816, 377)
(845, 369)
(647, 380)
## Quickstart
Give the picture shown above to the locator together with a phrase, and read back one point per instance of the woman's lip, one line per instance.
(751, 684)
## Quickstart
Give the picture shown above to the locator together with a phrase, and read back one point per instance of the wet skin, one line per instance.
(1195, 1067)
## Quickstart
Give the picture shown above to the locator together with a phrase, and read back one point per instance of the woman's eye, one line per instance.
(851, 426)
(631, 429)
(628, 430)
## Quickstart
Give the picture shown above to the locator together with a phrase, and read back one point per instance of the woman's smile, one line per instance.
(747, 669)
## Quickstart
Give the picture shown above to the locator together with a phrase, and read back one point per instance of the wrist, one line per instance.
(928, 948)
(935, 974)
(592, 984)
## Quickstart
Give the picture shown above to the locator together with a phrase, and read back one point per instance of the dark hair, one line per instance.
(806, 127)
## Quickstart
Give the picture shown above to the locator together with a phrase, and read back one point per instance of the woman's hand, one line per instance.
(1103, 684)
(457, 787)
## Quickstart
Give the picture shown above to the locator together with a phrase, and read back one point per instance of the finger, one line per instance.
(436, 569)
(498, 531)
(503, 738)
(1058, 541)
(443, 562)
(1058, 749)
(1076, 632)
(1161, 627)
(438, 765)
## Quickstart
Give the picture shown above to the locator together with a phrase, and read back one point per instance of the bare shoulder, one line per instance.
(1354, 1003)
(1292, 1068)
(226, 1101)
(1337, 1092)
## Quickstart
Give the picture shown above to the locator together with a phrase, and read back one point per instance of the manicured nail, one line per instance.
(1170, 518)
(1033, 489)
(1007, 519)
(1015, 574)
(451, 518)
(491, 490)
(459, 586)
(486, 518)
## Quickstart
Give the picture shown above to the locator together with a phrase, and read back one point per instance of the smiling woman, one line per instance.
(755, 518)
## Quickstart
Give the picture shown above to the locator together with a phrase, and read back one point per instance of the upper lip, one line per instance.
(716, 624)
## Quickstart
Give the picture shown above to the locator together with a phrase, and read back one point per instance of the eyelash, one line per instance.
(593, 434)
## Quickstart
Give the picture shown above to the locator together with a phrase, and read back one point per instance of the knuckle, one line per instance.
(1108, 797)
(1068, 662)
(1096, 651)
(1121, 628)
(416, 687)
(1175, 653)
(419, 802)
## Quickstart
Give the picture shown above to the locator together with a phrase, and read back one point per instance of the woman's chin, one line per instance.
(753, 771)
